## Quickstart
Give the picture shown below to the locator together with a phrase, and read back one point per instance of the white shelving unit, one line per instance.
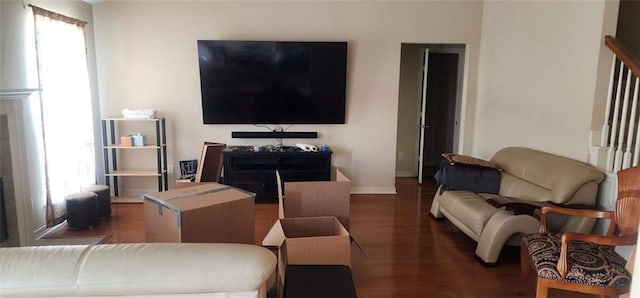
(111, 149)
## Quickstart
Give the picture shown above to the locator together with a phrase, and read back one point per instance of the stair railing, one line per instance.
(620, 132)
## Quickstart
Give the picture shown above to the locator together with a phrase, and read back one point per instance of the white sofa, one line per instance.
(136, 270)
(530, 176)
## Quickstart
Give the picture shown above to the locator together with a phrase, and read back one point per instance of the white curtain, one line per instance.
(66, 108)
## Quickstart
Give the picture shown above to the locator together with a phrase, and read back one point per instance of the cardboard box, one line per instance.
(185, 184)
(210, 212)
(125, 141)
(137, 140)
(317, 198)
(311, 240)
(308, 241)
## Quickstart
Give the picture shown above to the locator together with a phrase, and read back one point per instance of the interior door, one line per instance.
(423, 108)
(440, 82)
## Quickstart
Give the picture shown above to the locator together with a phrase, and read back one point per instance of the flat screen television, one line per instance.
(272, 82)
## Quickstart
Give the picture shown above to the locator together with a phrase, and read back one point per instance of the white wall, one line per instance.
(537, 79)
(18, 71)
(12, 53)
(536, 85)
(147, 58)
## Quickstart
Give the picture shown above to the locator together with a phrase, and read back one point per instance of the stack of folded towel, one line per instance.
(139, 114)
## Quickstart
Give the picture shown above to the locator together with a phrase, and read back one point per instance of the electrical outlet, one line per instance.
(170, 169)
(400, 155)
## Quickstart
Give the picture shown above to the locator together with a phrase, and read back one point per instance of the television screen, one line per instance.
(272, 82)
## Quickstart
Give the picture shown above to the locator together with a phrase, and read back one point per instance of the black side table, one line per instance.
(318, 281)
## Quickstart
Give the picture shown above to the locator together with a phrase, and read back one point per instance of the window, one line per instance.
(67, 117)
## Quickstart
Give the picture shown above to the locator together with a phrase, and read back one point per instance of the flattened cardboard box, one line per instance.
(207, 213)
(317, 198)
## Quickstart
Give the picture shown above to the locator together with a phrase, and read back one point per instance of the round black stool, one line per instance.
(82, 210)
(104, 199)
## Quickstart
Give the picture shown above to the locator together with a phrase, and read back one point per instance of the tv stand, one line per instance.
(255, 170)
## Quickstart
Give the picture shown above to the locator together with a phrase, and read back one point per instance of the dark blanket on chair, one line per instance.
(474, 178)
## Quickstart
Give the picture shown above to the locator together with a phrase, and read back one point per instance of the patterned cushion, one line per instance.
(589, 263)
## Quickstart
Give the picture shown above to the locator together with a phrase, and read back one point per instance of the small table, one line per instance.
(318, 281)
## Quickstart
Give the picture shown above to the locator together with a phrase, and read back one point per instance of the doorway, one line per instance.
(430, 95)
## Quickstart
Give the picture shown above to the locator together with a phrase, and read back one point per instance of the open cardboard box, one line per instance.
(208, 212)
(316, 198)
(313, 225)
(311, 240)
(308, 241)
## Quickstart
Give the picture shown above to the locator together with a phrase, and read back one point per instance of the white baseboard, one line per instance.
(374, 190)
(354, 190)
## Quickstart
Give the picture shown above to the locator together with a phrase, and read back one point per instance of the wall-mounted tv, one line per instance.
(272, 82)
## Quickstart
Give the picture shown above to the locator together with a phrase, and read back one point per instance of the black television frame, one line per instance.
(249, 82)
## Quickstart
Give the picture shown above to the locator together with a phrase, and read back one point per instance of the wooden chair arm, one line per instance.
(563, 266)
(572, 212)
(600, 239)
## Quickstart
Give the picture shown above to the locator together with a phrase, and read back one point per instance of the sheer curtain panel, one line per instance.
(66, 108)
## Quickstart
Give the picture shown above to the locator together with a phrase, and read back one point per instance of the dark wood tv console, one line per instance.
(255, 171)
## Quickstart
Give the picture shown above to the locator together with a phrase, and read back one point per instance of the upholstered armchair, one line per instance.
(583, 262)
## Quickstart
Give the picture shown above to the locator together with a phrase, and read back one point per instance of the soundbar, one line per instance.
(274, 134)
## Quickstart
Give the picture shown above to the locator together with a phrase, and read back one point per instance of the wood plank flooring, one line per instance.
(408, 253)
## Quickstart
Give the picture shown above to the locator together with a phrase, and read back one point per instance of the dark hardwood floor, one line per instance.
(406, 253)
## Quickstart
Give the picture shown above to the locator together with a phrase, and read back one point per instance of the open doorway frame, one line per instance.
(413, 72)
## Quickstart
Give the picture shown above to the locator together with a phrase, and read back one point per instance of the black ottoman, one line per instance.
(104, 200)
(82, 210)
(318, 281)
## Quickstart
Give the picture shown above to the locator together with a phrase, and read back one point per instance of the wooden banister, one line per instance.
(629, 60)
